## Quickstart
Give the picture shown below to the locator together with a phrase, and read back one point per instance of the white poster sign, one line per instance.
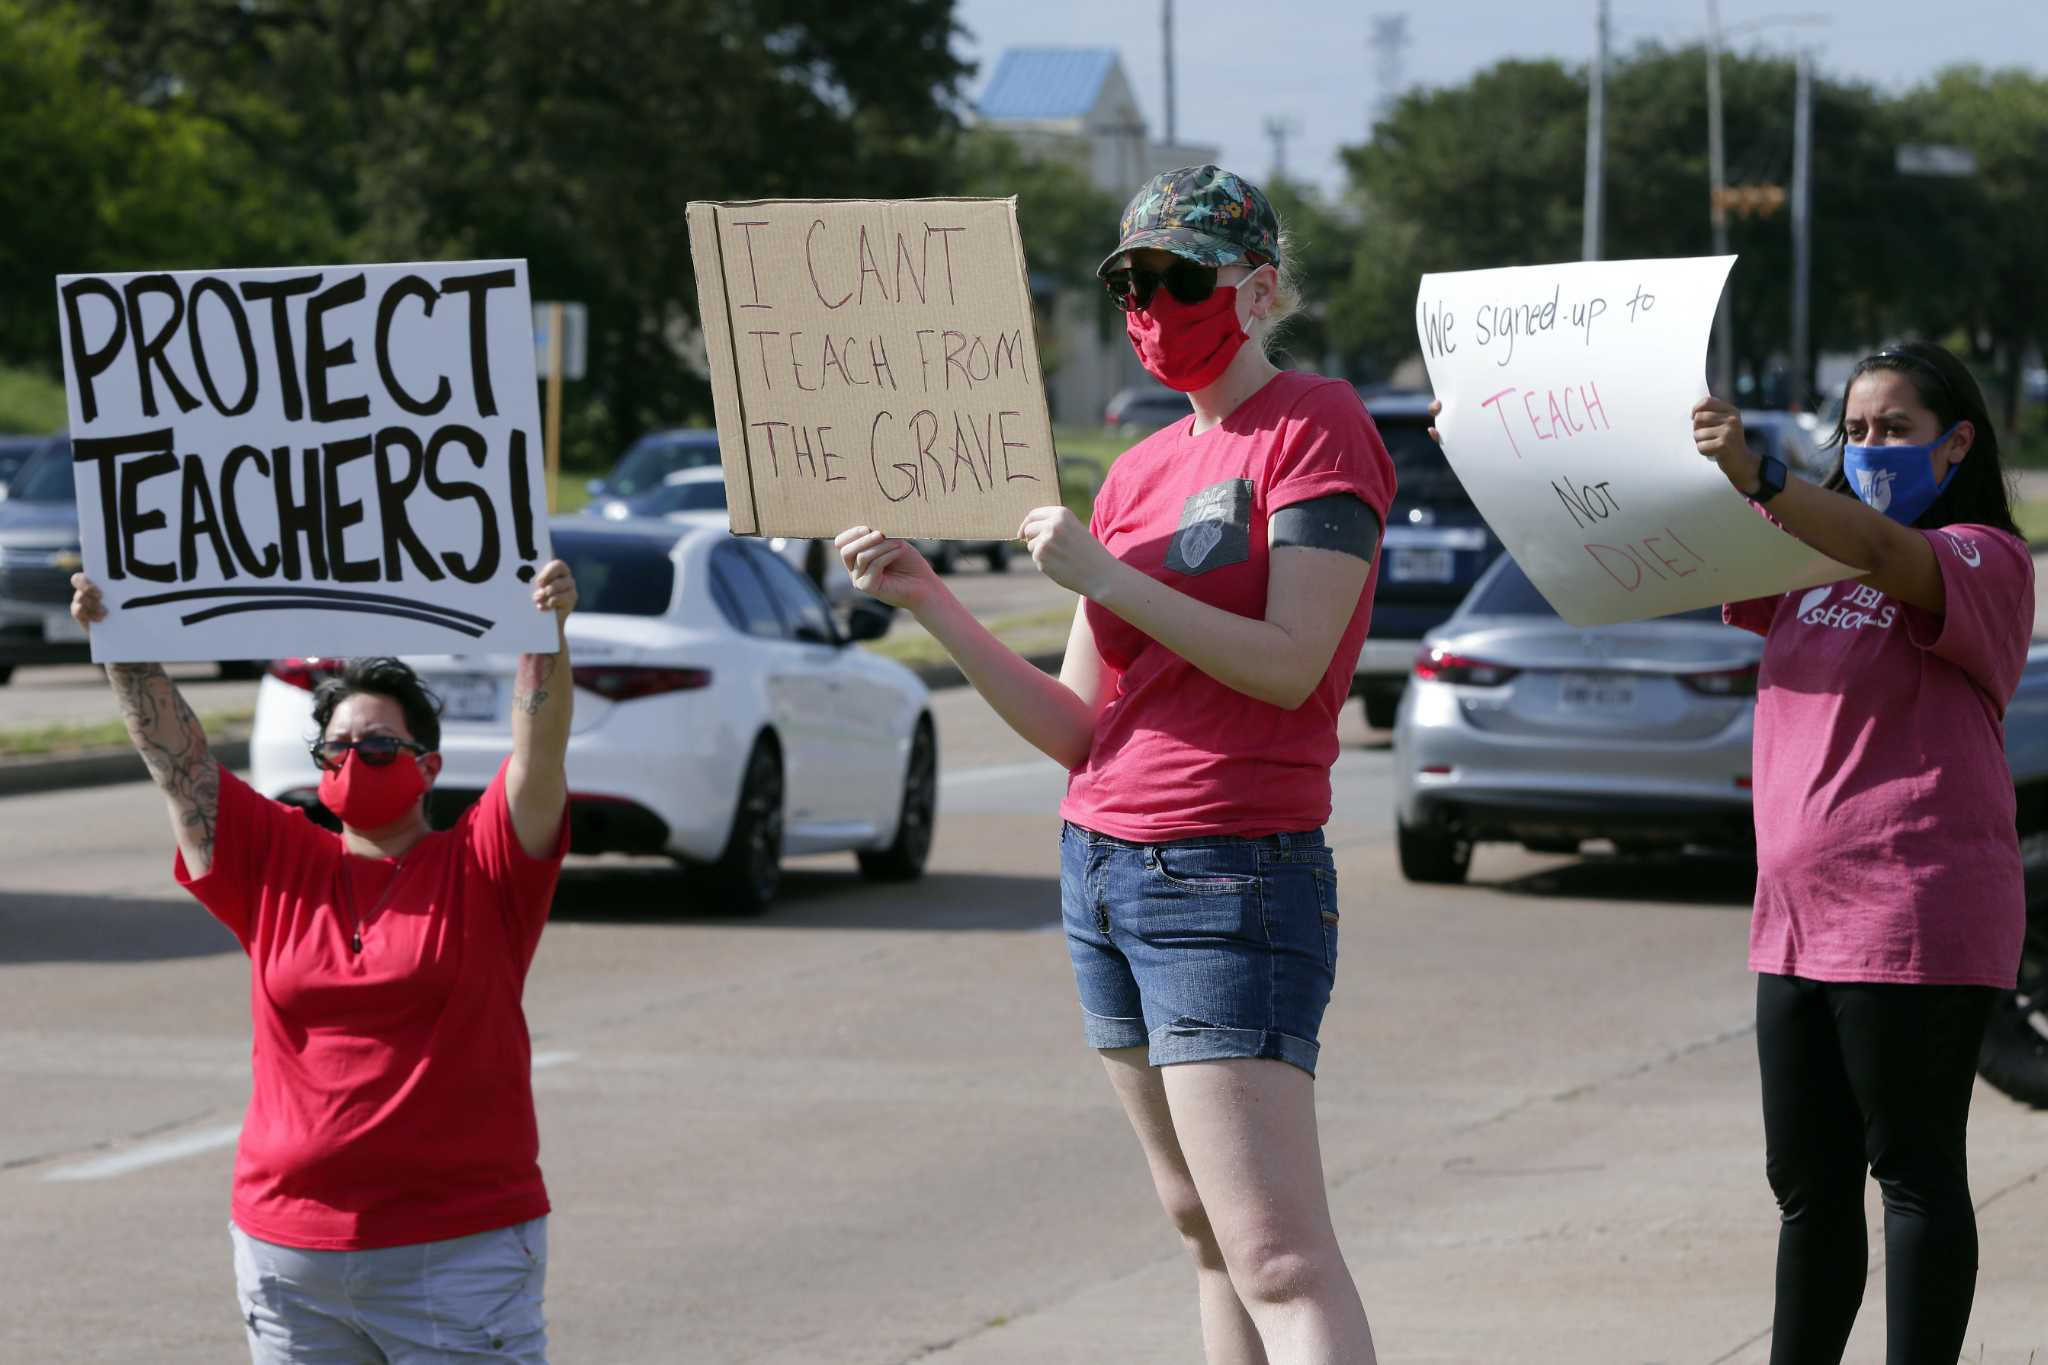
(330, 460)
(1568, 393)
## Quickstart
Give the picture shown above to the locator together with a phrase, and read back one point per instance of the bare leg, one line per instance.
(1247, 1132)
(1228, 1336)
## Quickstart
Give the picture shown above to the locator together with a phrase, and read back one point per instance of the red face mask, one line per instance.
(366, 797)
(1187, 346)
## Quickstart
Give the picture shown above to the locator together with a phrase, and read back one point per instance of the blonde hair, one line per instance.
(1287, 299)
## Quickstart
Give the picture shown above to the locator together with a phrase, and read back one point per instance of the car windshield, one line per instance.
(705, 496)
(618, 575)
(46, 477)
(1510, 593)
(1421, 472)
(654, 458)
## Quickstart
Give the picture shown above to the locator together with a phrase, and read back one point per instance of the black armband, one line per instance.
(1338, 521)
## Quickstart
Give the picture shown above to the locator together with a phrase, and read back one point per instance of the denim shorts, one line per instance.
(468, 1299)
(1200, 949)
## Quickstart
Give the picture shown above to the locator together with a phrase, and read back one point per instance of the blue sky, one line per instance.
(1307, 61)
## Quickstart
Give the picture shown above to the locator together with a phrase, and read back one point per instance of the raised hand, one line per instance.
(887, 569)
(1065, 550)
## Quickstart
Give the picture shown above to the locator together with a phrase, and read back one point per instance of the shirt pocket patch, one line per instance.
(1215, 529)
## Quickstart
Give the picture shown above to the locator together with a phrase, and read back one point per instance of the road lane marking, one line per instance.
(1000, 772)
(149, 1154)
(177, 1148)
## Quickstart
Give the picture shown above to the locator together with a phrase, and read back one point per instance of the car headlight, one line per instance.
(779, 544)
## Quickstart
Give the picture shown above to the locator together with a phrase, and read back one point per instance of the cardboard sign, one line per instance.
(335, 460)
(1568, 393)
(873, 364)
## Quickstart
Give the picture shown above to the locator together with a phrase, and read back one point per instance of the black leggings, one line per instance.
(1860, 1076)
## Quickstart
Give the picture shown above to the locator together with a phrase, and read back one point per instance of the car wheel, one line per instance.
(904, 860)
(947, 557)
(2014, 1055)
(1432, 855)
(1380, 708)
(6, 672)
(749, 872)
(999, 557)
(240, 670)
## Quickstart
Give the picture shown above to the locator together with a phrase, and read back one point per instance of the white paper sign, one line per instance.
(330, 460)
(1568, 393)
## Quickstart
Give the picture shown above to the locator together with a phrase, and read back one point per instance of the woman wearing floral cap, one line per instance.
(1226, 583)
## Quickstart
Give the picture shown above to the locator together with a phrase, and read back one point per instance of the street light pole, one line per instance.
(1717, 175)
(1802, 225)
(1596, 143)
(1166, 46)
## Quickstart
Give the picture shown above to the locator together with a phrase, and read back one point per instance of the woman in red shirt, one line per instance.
(1890, 905)
(388, 1201)
(1226, 583)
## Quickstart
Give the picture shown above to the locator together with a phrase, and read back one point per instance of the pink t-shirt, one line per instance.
(1886, 848)
(1177, 754)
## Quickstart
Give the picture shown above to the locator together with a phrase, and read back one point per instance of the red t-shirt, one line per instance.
(392, 1100)
(1176, 754)
(1886, 849)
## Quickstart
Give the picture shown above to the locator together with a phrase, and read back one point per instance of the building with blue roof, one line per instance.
(1075, 104)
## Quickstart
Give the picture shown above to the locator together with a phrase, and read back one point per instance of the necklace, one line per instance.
(355, 943)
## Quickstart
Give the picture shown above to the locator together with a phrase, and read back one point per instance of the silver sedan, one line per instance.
(1521, 728)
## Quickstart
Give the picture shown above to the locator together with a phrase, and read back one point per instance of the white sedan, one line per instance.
(723, 717)
(696, 497)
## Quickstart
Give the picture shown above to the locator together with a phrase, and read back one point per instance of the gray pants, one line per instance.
(466, 1299)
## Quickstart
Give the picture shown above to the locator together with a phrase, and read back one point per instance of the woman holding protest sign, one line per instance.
(388, 1202)
(1226, 581)
(1890, 908)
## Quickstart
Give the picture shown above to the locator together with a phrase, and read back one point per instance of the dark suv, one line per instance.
(1435, 548)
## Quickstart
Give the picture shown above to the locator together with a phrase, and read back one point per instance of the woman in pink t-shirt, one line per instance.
(1226, 584)
(1889, 902)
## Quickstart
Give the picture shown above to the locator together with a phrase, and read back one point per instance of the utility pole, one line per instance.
(1802, 225)
(1595, 210)
(1166, 47)
(1717, 173)
(1389, 37)
(1279, 130)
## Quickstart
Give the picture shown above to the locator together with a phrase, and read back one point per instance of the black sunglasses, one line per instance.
(376, 750)
(1131, 287)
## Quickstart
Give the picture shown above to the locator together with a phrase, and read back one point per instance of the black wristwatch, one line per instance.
(1770, 480)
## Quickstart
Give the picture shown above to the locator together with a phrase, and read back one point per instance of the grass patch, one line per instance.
(2032, 515)
(1086, 453)
(30, 403)
(71, 738)
(571, 491)
(1027, 632)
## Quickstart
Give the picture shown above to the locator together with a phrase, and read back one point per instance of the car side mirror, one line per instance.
(869, 619)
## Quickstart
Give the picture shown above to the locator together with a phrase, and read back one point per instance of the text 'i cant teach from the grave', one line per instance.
(883, 362)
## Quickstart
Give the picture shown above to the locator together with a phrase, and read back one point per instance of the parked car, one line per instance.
(1519, 727)
(721, 717)
(696, 497)
(646, 463)
(2015, 1052)
(1790, 437)
(39, 551)
(946, 555)
(14, 453)
(1145, 409)
(1435, 547)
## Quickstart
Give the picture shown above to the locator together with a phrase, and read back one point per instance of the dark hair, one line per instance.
(382, 677)
(1979, 494)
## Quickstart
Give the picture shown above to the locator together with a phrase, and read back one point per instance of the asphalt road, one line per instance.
(864, 1128)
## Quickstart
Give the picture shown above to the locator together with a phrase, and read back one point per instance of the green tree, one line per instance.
(570, 135)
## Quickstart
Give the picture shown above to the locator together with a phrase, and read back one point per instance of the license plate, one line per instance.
(1597, 692)
(1419, 566)
(59, 628)
(470, 697)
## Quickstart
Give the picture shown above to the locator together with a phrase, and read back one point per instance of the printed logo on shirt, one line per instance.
(1861, 606)
(1215, 529)
(1876, 487)
(1966, 550)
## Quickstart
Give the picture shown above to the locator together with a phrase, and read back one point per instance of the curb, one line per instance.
(98, 768)
(107, 767)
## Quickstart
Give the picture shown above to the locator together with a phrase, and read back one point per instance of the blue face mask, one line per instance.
(1897, 480)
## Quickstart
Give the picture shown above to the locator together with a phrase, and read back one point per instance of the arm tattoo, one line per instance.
(530, 692)
(173, 748)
